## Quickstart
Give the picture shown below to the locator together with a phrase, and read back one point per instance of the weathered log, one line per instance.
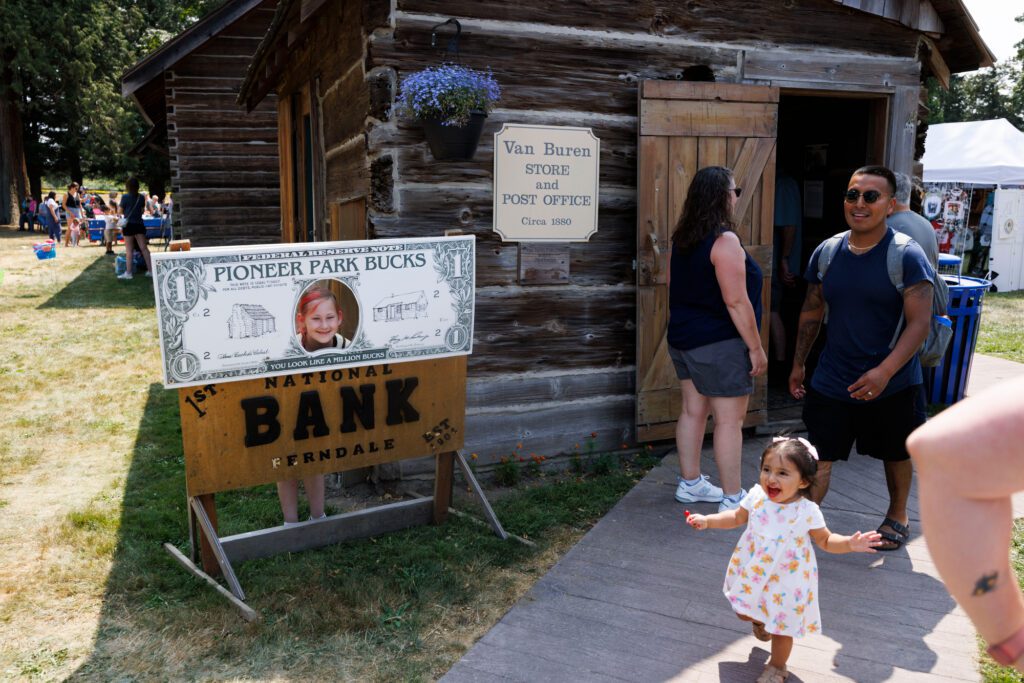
(519, 328)
(748, 22)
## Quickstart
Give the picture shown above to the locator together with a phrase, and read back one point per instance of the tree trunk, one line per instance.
(13, 176)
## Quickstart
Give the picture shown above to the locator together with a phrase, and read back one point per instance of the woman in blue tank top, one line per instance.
(713, 337)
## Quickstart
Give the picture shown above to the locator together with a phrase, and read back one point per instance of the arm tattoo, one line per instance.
(921, 290)
(813, 300)
(805, 337)
(986, 584)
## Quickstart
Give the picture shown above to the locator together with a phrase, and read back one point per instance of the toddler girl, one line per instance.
(772, 579)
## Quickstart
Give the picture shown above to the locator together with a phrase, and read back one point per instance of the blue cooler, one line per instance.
(45, 250)
(96, 226)
(119, 263)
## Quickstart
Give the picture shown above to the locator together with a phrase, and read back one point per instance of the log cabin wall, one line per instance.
(224, 166)
(554, 364)
(331, 60)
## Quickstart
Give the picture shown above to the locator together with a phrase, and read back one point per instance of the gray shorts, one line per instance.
(718, 369)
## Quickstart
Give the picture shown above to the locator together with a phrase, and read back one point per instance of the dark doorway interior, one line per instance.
(821, 141)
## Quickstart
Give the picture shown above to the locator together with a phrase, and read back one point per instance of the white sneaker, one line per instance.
(731, 503)
(701, 492)
(124, 276)
(149, 273)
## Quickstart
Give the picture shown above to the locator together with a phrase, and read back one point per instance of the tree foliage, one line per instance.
(993, 93)
(62, 64)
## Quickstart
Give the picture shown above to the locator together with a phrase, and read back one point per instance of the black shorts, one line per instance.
(879, 428)
(132, 229)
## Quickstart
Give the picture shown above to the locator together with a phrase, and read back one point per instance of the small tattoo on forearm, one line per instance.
(986, 584)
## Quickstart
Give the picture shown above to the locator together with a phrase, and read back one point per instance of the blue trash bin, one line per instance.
(946, 382)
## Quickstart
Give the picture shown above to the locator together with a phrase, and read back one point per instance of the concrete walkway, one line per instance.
(639, 597)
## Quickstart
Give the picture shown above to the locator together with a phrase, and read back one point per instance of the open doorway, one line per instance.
(822, 139)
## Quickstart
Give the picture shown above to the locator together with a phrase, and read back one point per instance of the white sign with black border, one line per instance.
(546, 182)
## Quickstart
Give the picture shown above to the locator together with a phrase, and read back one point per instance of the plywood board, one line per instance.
(238, 434)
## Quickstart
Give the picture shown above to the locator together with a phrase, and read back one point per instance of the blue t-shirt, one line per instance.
(864, 309)
(132, 206)
(698, 315)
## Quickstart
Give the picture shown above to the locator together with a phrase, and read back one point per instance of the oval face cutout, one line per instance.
(326, 316)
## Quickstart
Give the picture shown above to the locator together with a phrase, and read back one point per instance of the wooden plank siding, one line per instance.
(224, 162)
(559, 64)
(553, 364)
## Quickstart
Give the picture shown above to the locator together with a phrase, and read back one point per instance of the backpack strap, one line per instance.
(894, 265)
(829, 249)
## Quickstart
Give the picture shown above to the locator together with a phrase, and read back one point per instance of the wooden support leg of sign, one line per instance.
(248, 613)
(210, 534)
(443, 478)
(202, 551)
(488, 510)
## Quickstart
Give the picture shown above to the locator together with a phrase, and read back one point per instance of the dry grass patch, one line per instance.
(92, 483)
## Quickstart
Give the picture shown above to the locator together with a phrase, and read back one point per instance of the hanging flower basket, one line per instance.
(454, 142)
(451, 102)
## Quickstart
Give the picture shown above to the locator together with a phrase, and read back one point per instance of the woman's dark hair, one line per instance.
(707, 210)
(881, 172)
(133, 185)
(795, 452)
(52, 195)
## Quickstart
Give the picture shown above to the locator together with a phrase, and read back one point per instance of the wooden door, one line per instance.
(684, 127)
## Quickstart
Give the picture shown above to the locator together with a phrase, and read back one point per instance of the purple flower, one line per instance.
(448, 92)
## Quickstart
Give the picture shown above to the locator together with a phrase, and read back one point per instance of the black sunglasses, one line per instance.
(870, 196)
(738, 191)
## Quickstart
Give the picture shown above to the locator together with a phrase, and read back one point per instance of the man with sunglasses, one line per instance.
(863, 389)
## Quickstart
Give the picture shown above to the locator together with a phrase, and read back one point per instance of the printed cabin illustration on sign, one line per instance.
(401, 306)
(250, 320)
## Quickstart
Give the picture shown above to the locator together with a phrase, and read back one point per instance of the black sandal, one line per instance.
(899, 538)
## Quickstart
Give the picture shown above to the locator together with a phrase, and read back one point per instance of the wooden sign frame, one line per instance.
(252, 432)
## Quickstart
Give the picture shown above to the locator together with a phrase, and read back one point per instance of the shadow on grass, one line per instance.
(371, 607)
(98, 287)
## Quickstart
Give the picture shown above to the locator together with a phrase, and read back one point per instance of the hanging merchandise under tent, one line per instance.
(964, 163)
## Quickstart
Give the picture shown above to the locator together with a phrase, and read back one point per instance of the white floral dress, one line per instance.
(773, 574)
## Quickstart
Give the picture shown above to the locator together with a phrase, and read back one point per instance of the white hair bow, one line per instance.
(807, 444)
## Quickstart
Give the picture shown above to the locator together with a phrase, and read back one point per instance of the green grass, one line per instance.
(394, 607)
(92, 483)
(1002, 326)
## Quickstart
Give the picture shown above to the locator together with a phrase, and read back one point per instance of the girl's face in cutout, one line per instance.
(321, 322)
(780, 479)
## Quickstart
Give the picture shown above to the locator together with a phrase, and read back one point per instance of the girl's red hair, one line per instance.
(311, 298)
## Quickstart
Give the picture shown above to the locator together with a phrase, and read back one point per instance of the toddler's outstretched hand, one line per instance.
(865, 542)
(698, 522)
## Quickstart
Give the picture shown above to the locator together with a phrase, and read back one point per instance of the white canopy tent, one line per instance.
(974, 153)
(988, 153)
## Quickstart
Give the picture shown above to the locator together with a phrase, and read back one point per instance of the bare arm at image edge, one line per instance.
(969, 462)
